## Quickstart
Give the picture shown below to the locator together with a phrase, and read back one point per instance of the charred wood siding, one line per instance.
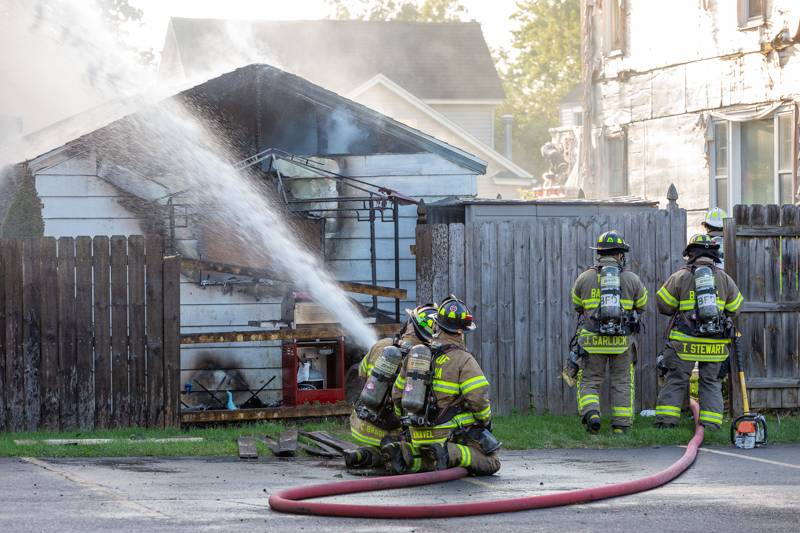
(762, 253)
(518, 277)
(90, 333)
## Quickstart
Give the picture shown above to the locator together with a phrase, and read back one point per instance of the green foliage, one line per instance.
(407, 10)
(24, 215)
(542, 66)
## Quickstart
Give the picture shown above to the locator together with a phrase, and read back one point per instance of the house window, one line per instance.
(752, 162)
(751, 13)
(617, 165)
(614, 26)
(720, 165)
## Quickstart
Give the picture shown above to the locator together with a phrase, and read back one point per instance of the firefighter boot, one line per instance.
(435, 457)
(363, 458)
(397, 457)
(619, 430)
(592, 422)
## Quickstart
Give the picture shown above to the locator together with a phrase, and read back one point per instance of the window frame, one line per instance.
(734, 159)
(749, 20)
(614, 45)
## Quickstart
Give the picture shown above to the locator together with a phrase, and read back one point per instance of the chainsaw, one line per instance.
(750, 429)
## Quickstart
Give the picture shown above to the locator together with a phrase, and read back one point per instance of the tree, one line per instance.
(543, 65)
(408, 10)
(24, 215)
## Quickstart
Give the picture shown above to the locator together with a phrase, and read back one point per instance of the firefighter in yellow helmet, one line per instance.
(713, 225)
(373, 423)
(443, 397)
(609, 300)
(702, 300)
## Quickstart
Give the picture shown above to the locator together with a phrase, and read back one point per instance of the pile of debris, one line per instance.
(315, 443)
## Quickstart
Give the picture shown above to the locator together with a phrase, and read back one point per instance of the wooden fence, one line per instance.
(516, 276)
(89, 333)
(762, 253)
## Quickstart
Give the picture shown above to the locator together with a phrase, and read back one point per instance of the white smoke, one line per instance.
(59, 59)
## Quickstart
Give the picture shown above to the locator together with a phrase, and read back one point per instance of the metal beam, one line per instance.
(303, 333)
(273, 413)
(360, 288)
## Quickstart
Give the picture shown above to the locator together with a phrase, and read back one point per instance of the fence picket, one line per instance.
(137, 353)
(505, 317)
(31, 332)
(84, 332)
(67, 353)
(154, 251)
(120, 413)
(102, 332)
(522, 337)
(3, 369)
(49, 369)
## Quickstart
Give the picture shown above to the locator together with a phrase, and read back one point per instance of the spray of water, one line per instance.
(179, 143)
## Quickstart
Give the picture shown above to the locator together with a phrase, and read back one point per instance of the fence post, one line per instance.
(172, 341)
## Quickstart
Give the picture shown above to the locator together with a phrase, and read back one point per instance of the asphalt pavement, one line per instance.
(726, 490)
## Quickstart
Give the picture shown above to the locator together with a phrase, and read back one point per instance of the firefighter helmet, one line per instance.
(423, 318)
(611, 241)
(701, 241)
(714, 218)
(454, 316)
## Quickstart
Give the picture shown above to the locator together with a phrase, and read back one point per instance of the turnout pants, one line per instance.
(473, 459)
(676, 387)
(368, 435)
(591, 377)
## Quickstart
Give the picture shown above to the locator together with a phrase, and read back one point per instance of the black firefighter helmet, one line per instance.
(611, 242)
(701, 242)
(454, 316)
(423, 319)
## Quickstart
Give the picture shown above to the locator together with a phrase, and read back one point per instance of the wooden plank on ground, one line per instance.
(522, 319)
(440, 244)
(67, 350)
(31, 331)
(84, 332)
(120, 414)
(506, 321)
(172, 342)
(49, 369)
(287, 442)
(456, 272)
(270, 443)
(136, 341)
(538, 252)
(15, 369)
(247, 448)
(102, 332)
(489, 319)
(329, 440)
(154, 252)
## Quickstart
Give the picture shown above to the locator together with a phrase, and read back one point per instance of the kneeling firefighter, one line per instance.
(443, 397)
(702, 300)
(373, 423)
(609, 301)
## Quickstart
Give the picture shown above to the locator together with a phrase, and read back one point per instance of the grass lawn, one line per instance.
(516, 431)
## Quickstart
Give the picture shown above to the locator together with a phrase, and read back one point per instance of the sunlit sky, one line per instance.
(492, 14)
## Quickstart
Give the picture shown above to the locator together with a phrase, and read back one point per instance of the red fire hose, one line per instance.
(289, 501)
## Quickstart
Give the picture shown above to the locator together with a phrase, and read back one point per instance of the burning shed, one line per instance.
(344, 177)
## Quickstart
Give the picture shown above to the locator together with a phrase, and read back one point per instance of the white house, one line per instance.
(436, 77)
(700, 93)
(86, 188)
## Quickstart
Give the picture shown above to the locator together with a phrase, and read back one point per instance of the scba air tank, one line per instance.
(382, 377)
(610, 294)
(705, 293)
(418, 372)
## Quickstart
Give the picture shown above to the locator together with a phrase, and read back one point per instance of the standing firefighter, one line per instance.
(702, 300)
(609, 301)
(713, 224)
(373, 423)
(443, 397)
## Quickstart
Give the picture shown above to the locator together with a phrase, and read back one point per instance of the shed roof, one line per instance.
(448, 60)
